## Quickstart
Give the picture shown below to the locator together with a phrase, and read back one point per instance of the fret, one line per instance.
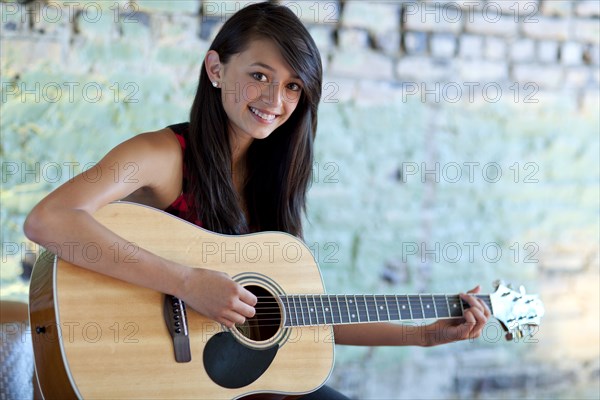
(294, 310)
(409, 307)
(372, 312)
(305, 310)
(403, 307)
(294, 305)
(324, 310)
(376, 306)
(335, 309)
(314, 309)
(353, 309)
(441, 306)
(455, 306)
(331, 310)
(393, 308)
(434, 306)
(310, 322)
(289, 316)
(448, 305)
(346, 309)
(416, 307)
(387, 310)
(380, 306)
(361, 306)
(337, 301)
(295, 321)
(428, 306)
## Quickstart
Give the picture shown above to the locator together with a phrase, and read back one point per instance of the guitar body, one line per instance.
(99, 337)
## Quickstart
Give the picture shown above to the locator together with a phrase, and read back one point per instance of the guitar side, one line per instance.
(113, 341)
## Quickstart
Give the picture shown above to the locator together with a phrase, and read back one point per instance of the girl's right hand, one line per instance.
(215, 295)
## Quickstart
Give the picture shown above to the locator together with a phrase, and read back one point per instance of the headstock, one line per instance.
(517, 311)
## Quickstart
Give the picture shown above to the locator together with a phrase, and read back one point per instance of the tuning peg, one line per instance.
(519, 333)
(497, 283)
(522, 290)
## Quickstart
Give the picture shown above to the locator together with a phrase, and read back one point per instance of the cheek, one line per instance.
(291, 105)
(292, 97)
(251, 92)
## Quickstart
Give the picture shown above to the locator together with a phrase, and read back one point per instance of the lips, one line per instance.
(267, 117)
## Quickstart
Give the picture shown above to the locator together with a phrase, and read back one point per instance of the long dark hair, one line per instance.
(279, 167)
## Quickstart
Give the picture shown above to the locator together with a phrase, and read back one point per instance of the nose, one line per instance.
(273, 95)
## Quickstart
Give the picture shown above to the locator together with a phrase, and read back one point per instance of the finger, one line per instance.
(476, 302)
(248, 297)
(475, 290)
(227, 322)
(486, 310)
(235, 318)
(244, 309)
(469, 324)
(480, 323)
(473, 301)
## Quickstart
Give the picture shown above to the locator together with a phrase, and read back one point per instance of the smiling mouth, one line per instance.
(262, 115)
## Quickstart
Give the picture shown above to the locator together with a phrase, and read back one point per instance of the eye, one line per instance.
(259, 76)
(295, 87)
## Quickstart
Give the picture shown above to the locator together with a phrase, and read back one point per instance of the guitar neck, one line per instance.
(307, 310)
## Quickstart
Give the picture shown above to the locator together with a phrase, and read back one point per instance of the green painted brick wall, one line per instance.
(381, 217)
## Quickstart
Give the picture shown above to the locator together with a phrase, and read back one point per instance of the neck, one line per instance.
(305, 310)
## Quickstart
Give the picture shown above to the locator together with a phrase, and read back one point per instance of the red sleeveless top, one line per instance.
(184, 205)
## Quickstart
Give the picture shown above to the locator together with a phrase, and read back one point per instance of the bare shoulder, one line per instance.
(158, 159)
(146, 168)
(160, 143)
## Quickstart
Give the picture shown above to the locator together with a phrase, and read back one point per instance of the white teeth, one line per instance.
(267, 117)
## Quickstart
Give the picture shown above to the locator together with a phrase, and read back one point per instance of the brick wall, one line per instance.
(458, 143)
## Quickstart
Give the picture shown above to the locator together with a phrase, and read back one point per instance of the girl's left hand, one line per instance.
(468, 327)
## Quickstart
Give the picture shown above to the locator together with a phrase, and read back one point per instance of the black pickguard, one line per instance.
(232, 365)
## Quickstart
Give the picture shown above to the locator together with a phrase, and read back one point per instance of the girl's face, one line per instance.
(258, 88)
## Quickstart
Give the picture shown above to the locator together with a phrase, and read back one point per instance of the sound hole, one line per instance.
(267, 320)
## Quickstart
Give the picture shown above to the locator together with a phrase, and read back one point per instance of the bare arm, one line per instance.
(63, 223)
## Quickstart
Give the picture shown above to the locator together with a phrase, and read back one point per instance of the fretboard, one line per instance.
(306, 310)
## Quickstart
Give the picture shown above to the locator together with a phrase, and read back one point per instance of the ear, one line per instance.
(213, 66)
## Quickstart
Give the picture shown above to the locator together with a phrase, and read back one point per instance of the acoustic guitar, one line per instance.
(99, 337)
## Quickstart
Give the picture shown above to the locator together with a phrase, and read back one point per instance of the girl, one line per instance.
(242, 164)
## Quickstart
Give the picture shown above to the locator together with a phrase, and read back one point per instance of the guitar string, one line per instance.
(373, 302)
(379, 298)
(387, 298)
(359, 303)
(277, 310)
(323, 311)
(253, 324)
(268, 303)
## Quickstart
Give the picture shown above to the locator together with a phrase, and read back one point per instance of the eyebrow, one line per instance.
(266, 66)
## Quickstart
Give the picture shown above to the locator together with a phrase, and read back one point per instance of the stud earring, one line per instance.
(215, 84)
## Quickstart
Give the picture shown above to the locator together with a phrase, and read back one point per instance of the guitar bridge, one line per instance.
(176, 320)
